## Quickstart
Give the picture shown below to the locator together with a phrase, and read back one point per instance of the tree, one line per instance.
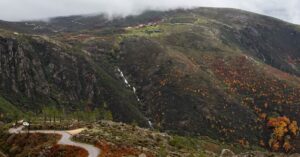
(108, 115)
(283, 129)
(16, 117)
(45, 112)
(30, 116)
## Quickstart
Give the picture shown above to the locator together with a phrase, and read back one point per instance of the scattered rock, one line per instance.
(227, 153)
(142, 155)
(295, 155)
(211, 154)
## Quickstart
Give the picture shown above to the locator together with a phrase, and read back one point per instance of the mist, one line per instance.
(17, 10)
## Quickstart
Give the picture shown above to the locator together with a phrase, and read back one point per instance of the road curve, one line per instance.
(65, 139)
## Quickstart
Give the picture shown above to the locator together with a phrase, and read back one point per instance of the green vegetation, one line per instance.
(182, 19)
(201, 21)
(146, 31)
(114, 138)
(8, 110)
(158, 30)
(56, 118)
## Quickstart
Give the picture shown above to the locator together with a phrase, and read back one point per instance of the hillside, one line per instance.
(37, 71)
(223, 73)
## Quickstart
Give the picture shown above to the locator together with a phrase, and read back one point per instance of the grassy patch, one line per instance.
(151, 31)
(295, 26)
(156, 31)
(201, 21)
(8, 109)
(183, 19)
(198, 144)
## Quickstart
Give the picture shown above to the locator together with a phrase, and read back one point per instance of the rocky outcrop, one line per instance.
(40, 68)
(35, 72)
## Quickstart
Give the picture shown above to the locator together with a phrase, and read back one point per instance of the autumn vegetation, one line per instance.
(19, 145)
(269, 97)
(283, 129)
(66, 151)
(112, 150)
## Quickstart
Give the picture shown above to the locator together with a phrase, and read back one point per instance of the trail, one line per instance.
(65, 139)
(2, 154)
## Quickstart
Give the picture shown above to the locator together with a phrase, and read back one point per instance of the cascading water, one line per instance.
(123, 77)
(134, 91)
(128, 85)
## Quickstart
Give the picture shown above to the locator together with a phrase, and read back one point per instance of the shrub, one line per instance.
(283, 130)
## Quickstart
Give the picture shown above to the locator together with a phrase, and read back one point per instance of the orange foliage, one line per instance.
(262, 143)
(293, 127)
(66, 151)
(242, 77)
(263, 116)
(111, 150)
(163, 82)
(287, 146)
(275, 146)
(282, 127)
(262, 92)
(243, 142)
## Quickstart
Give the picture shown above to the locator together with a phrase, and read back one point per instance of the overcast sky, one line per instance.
(15, 10)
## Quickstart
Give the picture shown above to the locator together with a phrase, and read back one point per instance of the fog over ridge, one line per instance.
(16, 10)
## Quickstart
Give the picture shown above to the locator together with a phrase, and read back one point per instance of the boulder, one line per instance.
(227, 153)
(142, 155)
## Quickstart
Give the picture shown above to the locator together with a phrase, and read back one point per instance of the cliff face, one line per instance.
(37, 69)
(36, 72)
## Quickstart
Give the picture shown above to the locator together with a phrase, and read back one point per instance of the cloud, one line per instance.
(15, 10)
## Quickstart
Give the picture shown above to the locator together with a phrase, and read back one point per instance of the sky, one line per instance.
(17, 10)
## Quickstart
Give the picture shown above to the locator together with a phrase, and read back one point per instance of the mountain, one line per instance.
(222, 73)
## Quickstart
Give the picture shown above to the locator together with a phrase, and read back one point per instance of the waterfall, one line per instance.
(134, 91)
(124, 79)
(128, 85)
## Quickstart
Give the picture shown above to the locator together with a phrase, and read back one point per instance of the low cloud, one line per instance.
(16, 10)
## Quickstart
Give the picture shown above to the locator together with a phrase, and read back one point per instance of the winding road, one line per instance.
(65, 139)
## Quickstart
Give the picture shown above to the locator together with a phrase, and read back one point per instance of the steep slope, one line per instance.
(199, 74)
(272, 41)
(37, 71)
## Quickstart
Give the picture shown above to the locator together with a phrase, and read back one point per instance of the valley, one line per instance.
(225, 78)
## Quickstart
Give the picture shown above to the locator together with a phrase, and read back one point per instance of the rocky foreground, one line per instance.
(123, 140)
(119, 139)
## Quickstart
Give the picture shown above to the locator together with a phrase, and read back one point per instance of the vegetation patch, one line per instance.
(116, 139)
(65, 151)
(24, 145)
(8, 110)
(283, 131)
(268, 97)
